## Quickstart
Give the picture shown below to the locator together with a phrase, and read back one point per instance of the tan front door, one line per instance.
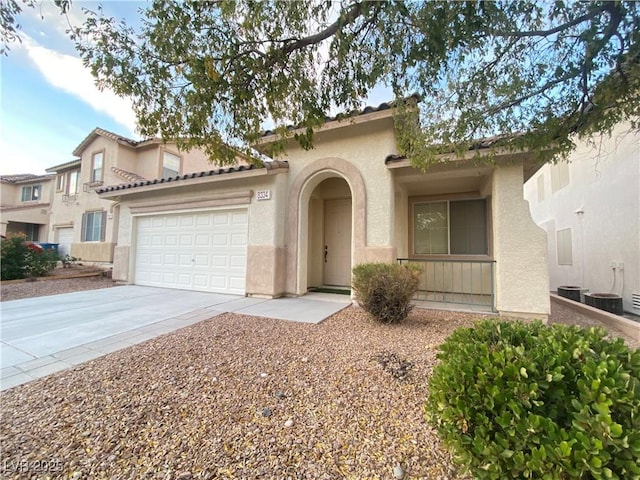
(337, 242)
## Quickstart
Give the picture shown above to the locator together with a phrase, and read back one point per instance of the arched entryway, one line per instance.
(329, 239)
(329, 192)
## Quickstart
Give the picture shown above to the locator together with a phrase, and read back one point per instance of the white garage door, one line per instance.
(204, 251)
(64, 237)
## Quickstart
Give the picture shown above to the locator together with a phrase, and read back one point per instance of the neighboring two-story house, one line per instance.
(308, 217)
(590, 208)
(25, 205)
(84, 224)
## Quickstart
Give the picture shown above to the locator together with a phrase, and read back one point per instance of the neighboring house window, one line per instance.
(72, 182)
(32, 231)
(96, 168)
(559, 176)
(31, 193)
(450, 228)
(170, 165)
(59, 183)
(541, 188)
(563, 245)
(93, 226)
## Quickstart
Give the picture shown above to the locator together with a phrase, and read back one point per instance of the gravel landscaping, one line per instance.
(241, 397)
(54, 285)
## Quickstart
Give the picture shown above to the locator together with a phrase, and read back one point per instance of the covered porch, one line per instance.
(468, 227)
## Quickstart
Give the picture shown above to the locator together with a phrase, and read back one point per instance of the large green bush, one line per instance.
(20, 261)
(517, 400)
(385, 289)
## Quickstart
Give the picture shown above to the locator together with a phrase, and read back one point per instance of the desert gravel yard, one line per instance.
(240, 397)
(54, 285)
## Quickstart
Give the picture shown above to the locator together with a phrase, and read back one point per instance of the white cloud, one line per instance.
(68, 74)
(27, 158)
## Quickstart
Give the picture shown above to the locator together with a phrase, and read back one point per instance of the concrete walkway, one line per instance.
(43, 335)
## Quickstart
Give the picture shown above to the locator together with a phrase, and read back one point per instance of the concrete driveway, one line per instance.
(43, 335)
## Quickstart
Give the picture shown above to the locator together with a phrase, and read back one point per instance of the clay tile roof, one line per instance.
(17, 177)
(107, 134)
(24, 178)
(341, 116)
(73, 163)
(129, 176)
(479, 144)
(273, 165)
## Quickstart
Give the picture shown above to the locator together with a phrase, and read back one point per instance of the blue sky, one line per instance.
(48, 100)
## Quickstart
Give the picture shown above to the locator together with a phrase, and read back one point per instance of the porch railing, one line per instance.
(463, 282)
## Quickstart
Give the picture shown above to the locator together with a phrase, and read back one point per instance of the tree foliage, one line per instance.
(210, 72)
(10, 10)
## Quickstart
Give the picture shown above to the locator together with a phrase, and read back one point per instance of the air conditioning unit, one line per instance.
(635, 301)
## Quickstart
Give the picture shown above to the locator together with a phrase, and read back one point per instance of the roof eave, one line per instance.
(330, 125)
(199, 178)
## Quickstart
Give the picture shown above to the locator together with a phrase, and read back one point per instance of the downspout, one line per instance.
(116, 220)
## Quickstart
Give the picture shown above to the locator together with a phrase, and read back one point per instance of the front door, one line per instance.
(337, 242)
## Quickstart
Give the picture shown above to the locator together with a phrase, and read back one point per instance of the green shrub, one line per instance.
(20, 261)
(518, 400)
(14, 258)
(40, 263)
(385, 289)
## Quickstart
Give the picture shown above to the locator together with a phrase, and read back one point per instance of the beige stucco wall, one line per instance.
(600, 206)
(14, 212)
(519, 248)
(351, 153)
(365, 146)
(146, 161)
(93, 251)
(265, 264)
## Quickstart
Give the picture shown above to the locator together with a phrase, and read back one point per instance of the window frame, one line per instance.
(162, 160)
(412, 201)
(32, 232)
(560, 176)
(93, 177)
(31, 189)
(564, 256)
(68, 182)
(60, 182)
(93, 214)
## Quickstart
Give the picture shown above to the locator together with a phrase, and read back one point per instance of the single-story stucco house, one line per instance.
(309, 216)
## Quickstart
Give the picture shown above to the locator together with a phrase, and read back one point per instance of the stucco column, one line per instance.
(519, 248)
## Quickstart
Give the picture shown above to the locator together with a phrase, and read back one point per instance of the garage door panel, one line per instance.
(201, 260)
(184, 260)
(203, 220)
(187, 221)
(239, 218)
(202, 251)
(238, 261)
(239, 239)
(170, 240)
(221, 219)
(202, 239)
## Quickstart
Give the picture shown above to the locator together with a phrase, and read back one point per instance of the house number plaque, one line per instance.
(263, 195)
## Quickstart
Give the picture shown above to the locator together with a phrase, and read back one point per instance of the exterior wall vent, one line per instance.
(635, 299)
